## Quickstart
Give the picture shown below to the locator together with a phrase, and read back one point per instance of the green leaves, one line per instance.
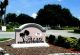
(51, 39)
(54, 15)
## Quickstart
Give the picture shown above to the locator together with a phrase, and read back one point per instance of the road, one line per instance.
(65, 33)
(7, 35)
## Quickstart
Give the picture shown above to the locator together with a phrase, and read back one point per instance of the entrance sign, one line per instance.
(30, 34)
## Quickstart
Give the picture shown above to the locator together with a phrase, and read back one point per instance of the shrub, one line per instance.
(51, 39)
(9, 26)
(77, 30)
(79, 41)
(60, 41)
(67, 42)
(47, 38)
(73, 37)
(12, 25)
(70, 42)
(77, 47)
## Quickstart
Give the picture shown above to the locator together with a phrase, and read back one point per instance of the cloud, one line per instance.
(79, 18)
(18, 12)
(34, 15)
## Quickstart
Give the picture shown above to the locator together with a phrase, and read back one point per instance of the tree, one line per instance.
(11, 17)
(12, 20)
(1, 9)
(54, 15)
(3, 6)
(23, 18)
(49, 14)
(69, 19)
(23, 36)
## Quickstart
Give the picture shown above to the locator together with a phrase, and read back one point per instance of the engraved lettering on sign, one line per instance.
(30, 33)
(29, 39)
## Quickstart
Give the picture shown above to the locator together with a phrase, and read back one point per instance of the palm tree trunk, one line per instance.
(4, 17)
(23, 39)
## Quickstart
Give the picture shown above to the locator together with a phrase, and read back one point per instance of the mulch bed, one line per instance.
(34, 50)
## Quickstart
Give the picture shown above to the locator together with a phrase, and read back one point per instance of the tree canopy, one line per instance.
(11, 17)
(53, 14)
(21, 19)
(3, 6)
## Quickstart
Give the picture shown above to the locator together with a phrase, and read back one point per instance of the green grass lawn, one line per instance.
(73, 32)
(10, 30)
(4, 39)
(69, 28)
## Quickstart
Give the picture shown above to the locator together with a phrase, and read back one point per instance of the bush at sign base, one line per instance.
(51, 39)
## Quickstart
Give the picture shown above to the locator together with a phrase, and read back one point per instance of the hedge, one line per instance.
(51, 39)
(67, 42)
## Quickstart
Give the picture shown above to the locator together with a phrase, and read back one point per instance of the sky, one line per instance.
(31, 7)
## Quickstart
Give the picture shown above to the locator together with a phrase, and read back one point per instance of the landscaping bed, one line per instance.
(57, 45)
(65, 42)
(34, 50)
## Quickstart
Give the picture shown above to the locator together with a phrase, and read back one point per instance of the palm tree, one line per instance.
(22, 35)
(1, 11)
(26, 32)
(3, 6)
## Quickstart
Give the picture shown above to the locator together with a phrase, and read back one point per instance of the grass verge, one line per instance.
(4, 39)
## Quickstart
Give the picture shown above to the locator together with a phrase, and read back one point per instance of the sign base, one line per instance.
(30, 45)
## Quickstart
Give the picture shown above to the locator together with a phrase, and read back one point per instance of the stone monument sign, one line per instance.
(30, 33)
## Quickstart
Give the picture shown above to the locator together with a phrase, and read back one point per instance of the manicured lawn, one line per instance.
(69, 28)
(73, 32)
(10, 30)
(4, 39)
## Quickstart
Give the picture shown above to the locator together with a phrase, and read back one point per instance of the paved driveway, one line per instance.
(65, 33)
(7, 35)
